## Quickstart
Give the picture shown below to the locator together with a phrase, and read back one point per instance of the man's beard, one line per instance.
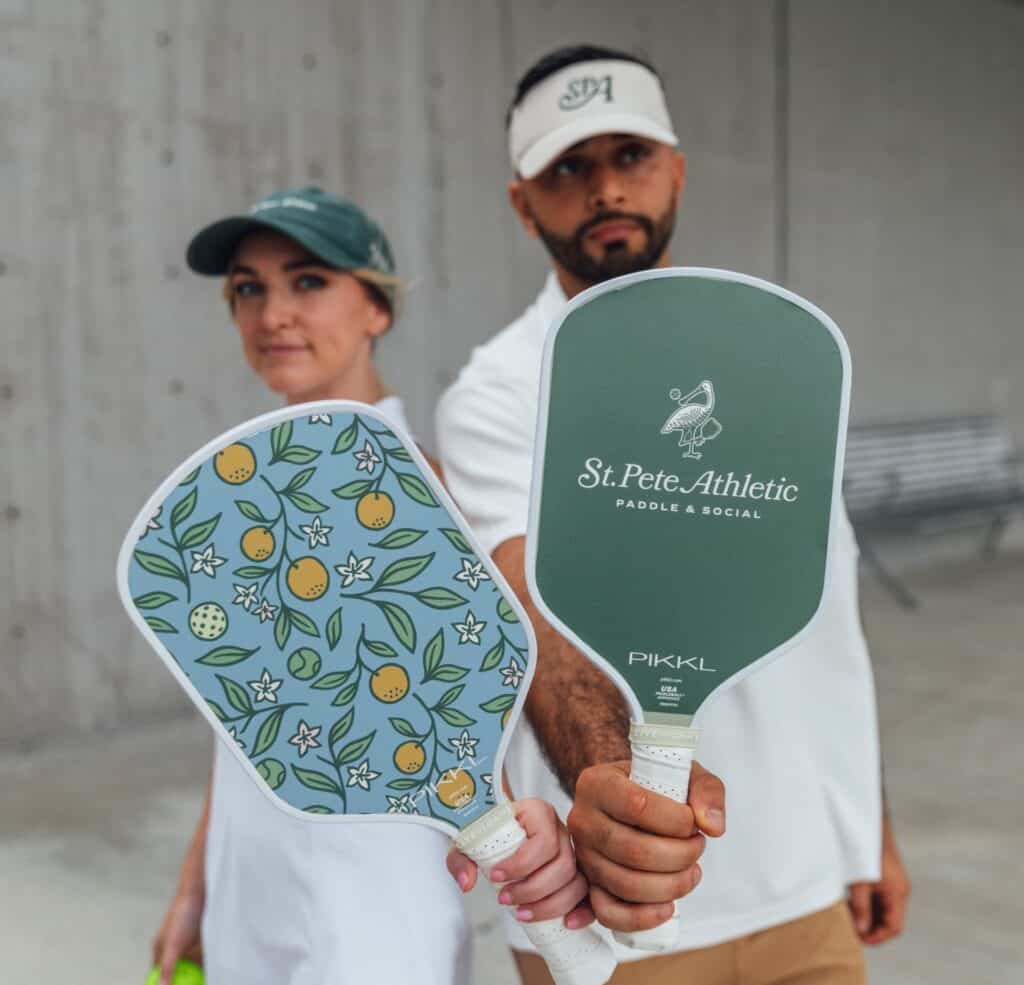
(570, 253)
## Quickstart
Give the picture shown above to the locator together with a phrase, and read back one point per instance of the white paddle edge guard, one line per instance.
(573, 957)
(662, 757)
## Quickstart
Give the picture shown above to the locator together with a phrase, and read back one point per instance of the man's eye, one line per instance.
(309, 282)
(632, 153)
(247, 289)
(568, 167)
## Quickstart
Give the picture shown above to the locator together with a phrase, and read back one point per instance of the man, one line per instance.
(809, 870)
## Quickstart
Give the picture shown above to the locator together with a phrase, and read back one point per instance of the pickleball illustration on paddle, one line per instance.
(309, 583)
(690, 442)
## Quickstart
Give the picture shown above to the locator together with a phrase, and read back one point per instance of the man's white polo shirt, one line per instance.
(796, 744)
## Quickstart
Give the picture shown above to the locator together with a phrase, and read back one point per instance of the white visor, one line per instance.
(581, 101)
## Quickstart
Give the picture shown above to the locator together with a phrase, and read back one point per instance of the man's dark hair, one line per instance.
(560, 58)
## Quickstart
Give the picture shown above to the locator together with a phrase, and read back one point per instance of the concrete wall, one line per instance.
(868, 154)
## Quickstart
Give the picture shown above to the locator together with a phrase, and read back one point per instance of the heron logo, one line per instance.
(692, 419)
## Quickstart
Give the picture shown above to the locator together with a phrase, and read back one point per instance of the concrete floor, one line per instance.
(91, 835)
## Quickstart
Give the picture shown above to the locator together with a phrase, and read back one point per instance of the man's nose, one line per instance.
(606, 189)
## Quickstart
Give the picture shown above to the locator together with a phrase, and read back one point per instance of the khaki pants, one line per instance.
(819, 949)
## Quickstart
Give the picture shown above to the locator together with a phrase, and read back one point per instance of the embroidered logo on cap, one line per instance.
(579, 92)
(288, 202)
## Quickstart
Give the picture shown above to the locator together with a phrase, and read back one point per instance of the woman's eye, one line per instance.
(309, 282)
(247, 288)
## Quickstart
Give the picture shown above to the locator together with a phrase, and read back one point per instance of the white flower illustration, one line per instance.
(401, 805)
(367, 459)
(354, 570)
(472, 574)
(234, 735)
(361, 775)
(470, 630)
(319, 418)
(265, 687)
(265, 611)
(245, 595)
(316, 532)
(207, 562)
(153, 523)
(306, 738)
(512, 674)
(465, 745)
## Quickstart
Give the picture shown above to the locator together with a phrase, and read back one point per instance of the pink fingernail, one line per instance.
(573, 922)
(498, 876)
(463, 880)
(504, 897)
(524, 914)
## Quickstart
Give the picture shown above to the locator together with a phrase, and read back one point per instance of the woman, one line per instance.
(310, 285)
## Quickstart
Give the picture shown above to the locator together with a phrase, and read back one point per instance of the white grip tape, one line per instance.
(662, 756)
(573, 957)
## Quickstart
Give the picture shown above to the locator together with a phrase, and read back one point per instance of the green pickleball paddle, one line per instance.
(689, 454)
(314, 590)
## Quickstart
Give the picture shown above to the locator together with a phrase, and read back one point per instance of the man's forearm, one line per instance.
(578, 714)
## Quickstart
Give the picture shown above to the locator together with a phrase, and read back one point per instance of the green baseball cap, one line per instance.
(333, 229)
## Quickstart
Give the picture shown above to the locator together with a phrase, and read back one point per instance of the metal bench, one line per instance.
(923, 475)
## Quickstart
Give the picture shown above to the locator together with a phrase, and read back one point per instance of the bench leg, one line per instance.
(895, 587)
(992, 538)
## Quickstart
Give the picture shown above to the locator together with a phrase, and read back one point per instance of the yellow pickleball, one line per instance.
(208, 621)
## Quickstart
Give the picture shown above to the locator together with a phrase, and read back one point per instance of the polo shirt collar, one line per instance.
(549, 306)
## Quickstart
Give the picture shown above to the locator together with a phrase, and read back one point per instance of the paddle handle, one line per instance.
(662, 756)
(573, 957)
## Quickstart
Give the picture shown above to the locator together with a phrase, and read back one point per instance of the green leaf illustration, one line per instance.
(403, 570)
(341, 727)
(450, 673)
(456, 539)
(455, 717)
(398, 453)
(315, 780)
(330, 681)
(300, 479)
(352, 489)
(183, 509)
(217, 710)
(191, 477)
(199, 533)
(400, 622)
(154, 600)
(450, 696)
(299, 455)
(352, 752)
(346, 694)
(380, 649)
(494, 655)
(346, 439)
(282, 628)
(251, 511)
(402, 727)
(303, 623)
(439, 597)
(404, 783)
(433, 654)
(415, 488)
(157, 564)
(499, 704)
(267, 735)
(279, 438)
(318, 809)
(505, 612)
(272, 771)
(306, 503)
(159, 625)
(225, 656)
(399, 538)
(252, 571)
(237, 695)
(334, 628)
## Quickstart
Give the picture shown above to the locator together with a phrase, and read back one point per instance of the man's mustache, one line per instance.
(641, 220)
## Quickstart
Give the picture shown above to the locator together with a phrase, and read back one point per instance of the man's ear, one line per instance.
(679, 167)
(517, 199)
